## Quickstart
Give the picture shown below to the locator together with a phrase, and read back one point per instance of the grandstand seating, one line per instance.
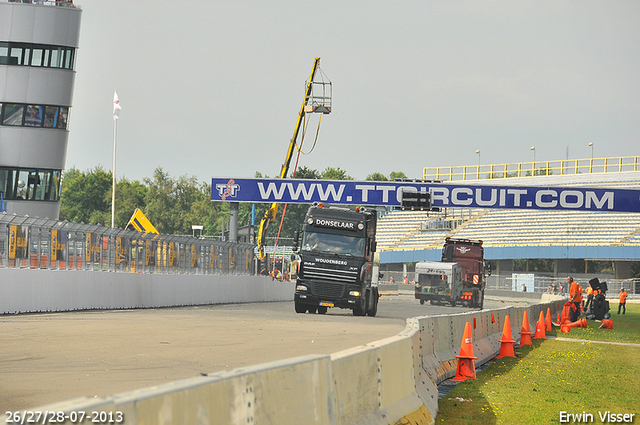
(408, 230)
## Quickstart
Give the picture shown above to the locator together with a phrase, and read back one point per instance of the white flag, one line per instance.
(116, 106)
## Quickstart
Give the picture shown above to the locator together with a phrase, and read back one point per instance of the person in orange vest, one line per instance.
(623, 301)
(590, 295)
(575, 296)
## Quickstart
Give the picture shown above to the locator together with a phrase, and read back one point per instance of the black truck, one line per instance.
(335, 261)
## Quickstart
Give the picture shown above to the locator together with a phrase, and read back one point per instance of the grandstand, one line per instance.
(407, 236)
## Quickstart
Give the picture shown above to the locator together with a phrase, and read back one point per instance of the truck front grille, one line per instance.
(328, 290)
(325, 273)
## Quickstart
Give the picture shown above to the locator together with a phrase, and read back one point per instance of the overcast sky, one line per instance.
(212, 88)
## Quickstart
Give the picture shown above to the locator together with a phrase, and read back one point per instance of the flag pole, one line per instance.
(116, 115)
(113, 184)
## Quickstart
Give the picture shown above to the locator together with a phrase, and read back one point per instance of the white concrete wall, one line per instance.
(32, 291)
(379, 383)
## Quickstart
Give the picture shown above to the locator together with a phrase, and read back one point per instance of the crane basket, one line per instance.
(319, 99)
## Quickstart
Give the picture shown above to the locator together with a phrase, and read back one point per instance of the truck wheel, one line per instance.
(300, 308)
(453, 303)
(433, 302)
(322, 310)
(421, 302)
(481, 300)
(374, 308)
(358, 310)
(312, 310)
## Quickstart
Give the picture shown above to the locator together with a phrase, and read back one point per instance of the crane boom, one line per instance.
(270, 214)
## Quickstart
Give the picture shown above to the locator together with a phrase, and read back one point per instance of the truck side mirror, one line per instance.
(373, 246)
(296, 240)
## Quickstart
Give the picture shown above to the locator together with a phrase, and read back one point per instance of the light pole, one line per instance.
(591, 144)
(478, 152)
(533, 165)
(533, 148)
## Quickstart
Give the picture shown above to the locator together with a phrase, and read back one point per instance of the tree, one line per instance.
(331, 173)
(377, 177)
(307, 173)
(129, 196)
(85, 196)
(397, 175)
(173, 206)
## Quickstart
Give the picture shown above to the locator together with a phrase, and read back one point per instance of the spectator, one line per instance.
(623, 301)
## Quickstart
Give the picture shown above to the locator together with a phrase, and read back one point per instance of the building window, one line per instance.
(30, 184)
(34, 115)
(19, 54)
(39, 55)
(12, 114)
(4, 53)
(18, 114)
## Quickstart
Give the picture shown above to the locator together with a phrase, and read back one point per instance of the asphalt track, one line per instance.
(47, 358)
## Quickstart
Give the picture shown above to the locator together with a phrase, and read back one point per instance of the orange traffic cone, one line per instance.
(558, 321)
(539, 333)
(565, 312)
(547, 321)
(466, 360)
(525, 333)
(506, 346)
(582, 323)
(564, 328)
(606, 324)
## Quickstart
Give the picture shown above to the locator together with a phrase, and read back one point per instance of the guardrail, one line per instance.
(530, 169)
(387, 381)
(63, 3)
(36, 243)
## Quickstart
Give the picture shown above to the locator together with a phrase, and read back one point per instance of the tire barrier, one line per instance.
(390, 381)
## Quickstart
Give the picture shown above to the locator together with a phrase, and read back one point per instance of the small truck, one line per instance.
(458, 279)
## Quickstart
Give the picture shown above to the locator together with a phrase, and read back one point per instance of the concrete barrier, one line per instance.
(33, 291)
(390, 381)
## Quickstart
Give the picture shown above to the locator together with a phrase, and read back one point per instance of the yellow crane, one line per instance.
(318, 102)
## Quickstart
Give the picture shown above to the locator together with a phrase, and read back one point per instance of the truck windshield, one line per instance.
(433, 280)
(339, 244)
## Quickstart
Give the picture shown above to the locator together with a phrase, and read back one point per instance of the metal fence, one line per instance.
(617, 164)
(537, 283)
(27, 242)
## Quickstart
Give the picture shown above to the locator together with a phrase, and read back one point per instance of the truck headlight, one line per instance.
(354, 293)
(301, 288)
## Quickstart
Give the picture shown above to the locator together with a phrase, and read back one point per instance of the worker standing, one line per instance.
(575, 295)
(590, 296)
(623, 301)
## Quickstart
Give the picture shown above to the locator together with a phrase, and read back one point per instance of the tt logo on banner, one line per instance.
(230, 189)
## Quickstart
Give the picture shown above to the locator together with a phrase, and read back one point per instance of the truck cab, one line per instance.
(438, 283)
(335, 261)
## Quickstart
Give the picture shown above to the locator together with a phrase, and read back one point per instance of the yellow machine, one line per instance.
(314, 102)
(141, 223)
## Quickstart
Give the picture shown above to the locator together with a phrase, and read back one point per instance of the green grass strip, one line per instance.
(553, 376)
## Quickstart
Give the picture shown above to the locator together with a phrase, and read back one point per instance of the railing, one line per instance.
(27, 242)
(537, 168)
(62, 3)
